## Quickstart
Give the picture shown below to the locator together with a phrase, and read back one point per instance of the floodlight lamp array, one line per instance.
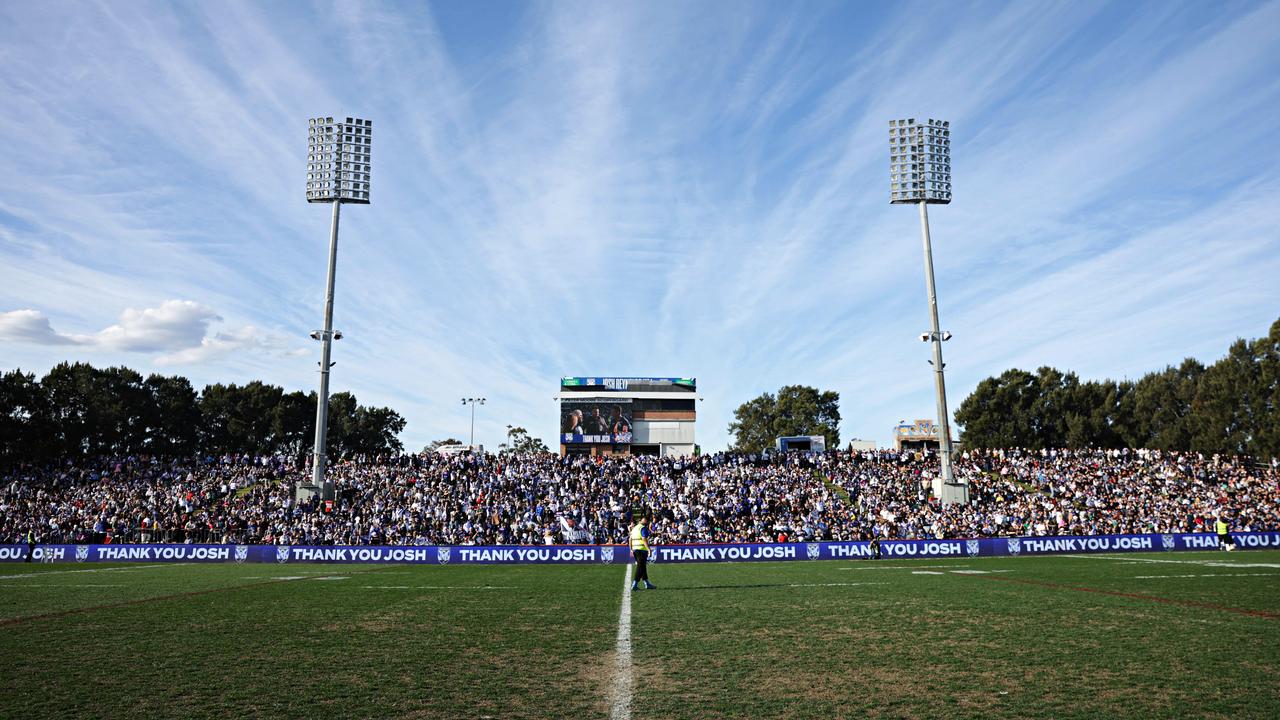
(920, 161)
(338, 160)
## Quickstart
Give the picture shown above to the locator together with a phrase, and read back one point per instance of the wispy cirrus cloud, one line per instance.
(667, 189)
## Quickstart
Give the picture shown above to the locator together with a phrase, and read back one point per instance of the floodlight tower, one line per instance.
(472, 402)
(337, 173)
(920, 173)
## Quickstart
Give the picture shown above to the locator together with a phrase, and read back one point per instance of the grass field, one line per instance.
(1158, 635)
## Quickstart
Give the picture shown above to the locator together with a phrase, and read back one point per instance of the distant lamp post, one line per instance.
(472, 402)
(337, 173)
(920, 174)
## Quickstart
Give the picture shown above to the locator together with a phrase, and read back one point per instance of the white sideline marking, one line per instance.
(927, 572)
(901, 567)
(834, 584)
(58, 585)
(1204, 563)
(333, 577)
(94, 570)
(1154, 577)
(436, 587)
(622, 681)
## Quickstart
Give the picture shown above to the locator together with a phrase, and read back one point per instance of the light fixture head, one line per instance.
(338, 160)
(919, 161)
(315, 334)
(337, 335)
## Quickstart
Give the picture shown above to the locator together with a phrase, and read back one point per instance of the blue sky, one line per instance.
(667, 189)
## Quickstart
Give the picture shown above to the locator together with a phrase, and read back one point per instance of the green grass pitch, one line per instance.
(1145, 635)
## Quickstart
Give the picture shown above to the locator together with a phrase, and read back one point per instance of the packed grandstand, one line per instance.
(544, 499)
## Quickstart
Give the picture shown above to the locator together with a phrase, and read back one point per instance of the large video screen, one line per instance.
(595, 421)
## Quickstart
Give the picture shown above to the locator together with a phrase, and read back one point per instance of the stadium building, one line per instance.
(627, 416)
(921, 435)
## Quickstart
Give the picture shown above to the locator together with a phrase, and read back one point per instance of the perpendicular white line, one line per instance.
(1206, 575)
(901, 567)
(857, 584)
(62, 585)
(438, 587)
(623, 682)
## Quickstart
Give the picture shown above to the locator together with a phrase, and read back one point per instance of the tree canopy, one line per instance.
(1231, 406)
(78, 410)
(794, 410)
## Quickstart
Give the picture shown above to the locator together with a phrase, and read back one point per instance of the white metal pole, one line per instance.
(471, 443)
(951, 493)
(322, 402)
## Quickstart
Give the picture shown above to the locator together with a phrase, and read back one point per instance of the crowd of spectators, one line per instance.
(471, 499)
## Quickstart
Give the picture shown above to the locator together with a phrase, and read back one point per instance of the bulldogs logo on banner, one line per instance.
(442, 554)
(282, 554)
(606, 555)
(242, 553)
(1015, 546)
(814, 550)
(972, 546)
(82, 553)
(1167, 542)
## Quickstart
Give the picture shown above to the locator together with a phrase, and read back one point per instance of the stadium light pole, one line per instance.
(920, 174)
(337, 173)
(472, 402)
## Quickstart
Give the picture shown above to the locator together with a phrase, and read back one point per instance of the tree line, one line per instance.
(77, 410)
(1231, 406)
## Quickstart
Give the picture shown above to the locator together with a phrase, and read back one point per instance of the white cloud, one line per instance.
(32, 326)
(175, 324)
(178, 329)
(247, 339)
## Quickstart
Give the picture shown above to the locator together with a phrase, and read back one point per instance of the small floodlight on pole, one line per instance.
(337, 173)
(920, 174)
(472, 402)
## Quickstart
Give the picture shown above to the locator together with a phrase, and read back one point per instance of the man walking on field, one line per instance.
(640, 549)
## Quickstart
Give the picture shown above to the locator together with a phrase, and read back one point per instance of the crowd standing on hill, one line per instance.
(471, 499)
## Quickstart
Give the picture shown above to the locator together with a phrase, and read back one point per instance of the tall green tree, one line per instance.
(794, 410)
(24, 414)
(1231, 406)
(173, 421)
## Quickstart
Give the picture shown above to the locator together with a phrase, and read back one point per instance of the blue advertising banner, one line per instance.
(607, 554)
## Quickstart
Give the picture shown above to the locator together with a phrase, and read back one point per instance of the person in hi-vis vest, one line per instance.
(1225, 541)
(640, 549)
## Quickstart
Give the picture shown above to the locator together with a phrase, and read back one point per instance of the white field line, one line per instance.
(92, 570)
(1202, 563)
(835, 584)
(62, 585)
(1206, 575)
(439, 587)
(902, 567)
(623, 682)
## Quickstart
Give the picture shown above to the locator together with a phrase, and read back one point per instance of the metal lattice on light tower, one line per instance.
(472, 402)
(920, 174)
(337, 173)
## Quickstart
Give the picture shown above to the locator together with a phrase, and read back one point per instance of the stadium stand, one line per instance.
(544, 499)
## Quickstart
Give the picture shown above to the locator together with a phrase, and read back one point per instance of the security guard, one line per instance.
(640, 549)
(1225, 541)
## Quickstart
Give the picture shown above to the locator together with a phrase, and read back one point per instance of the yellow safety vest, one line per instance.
(1222, 528)
(637, 540)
